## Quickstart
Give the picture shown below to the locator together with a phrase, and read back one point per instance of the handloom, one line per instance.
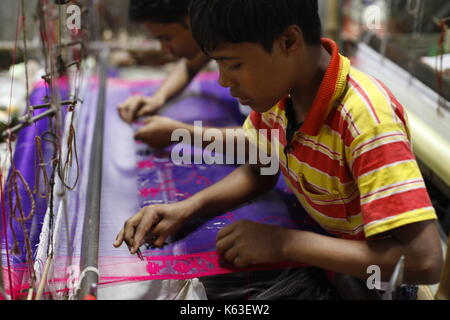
(134, 176)
(77, 174)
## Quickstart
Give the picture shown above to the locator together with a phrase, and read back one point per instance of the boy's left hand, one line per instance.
(157, 132)
(246, 243)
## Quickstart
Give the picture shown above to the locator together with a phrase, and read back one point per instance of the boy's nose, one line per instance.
(224, 81)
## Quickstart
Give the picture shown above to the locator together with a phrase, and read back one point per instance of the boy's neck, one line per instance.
(303, 95)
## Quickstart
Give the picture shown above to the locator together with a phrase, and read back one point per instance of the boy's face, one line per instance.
(175, 39)
(257, 78)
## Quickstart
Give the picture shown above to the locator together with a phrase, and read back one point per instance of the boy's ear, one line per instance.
(292, 39)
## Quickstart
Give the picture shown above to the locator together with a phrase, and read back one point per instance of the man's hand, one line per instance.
(157, 132)
(153, 225)
(246, 243)
(138, 106)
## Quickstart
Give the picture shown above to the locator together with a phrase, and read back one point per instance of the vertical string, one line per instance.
(54, 65)
(5, 236)
(9, 140)
(25, 58)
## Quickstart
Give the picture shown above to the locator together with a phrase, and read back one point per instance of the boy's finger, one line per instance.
(135, 107)
(231, 254)
(160, 240)
(129, 233)
(122, 112)
(225, 231)
(119, 239)
(144, 226)
(160, 234)
(225, 243)
(145, 111)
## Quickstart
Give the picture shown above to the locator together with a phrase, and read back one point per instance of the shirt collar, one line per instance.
(331, 88)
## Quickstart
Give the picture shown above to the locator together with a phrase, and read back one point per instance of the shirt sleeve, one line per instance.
(393, 191)
(258, 132)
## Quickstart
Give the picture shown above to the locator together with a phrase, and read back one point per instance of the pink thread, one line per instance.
(154, 191)
(183, 267)
(146, 164)
(153, 268)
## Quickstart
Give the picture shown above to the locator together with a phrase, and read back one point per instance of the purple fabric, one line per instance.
(160, 181)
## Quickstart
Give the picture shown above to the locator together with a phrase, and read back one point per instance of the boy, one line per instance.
(168, 22)
(343, 149)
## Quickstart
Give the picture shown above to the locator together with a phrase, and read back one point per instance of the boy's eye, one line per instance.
(236, 66)
(164, 39)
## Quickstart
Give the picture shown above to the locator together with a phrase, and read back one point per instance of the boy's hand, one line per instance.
(153, 224)
(246, 243)
(138, 106)
(157, 132)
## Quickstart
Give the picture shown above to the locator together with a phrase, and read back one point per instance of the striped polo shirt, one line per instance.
(351, 163)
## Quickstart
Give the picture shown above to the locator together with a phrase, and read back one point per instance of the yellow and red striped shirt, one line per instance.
(351, 163)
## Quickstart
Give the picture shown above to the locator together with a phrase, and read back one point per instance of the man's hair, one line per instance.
(159, 11)
(258, 21)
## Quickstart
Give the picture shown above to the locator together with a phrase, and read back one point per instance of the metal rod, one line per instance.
(25, 124)
(94, 45)
(48, 105)
(91, 228)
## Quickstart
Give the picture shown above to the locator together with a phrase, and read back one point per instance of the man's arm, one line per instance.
(181, 76)
(177, 80)
(248, 243)
(242, 185)
(158, 132)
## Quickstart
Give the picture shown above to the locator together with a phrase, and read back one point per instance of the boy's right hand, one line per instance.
(138, 106)
(153, 225)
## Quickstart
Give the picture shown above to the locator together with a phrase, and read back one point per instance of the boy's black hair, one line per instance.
(159, 11)
(259, 21)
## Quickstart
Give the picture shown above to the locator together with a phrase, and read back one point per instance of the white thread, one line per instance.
(83, 274)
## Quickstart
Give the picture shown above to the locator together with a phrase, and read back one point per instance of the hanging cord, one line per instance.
(60, 167)
(30, 112)
(71, 152)
(15, 204)
(51, 39)
(4, 219)
(55, 164)
(12, 183)
(41, 169)
(25, 58)
(5, 235)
